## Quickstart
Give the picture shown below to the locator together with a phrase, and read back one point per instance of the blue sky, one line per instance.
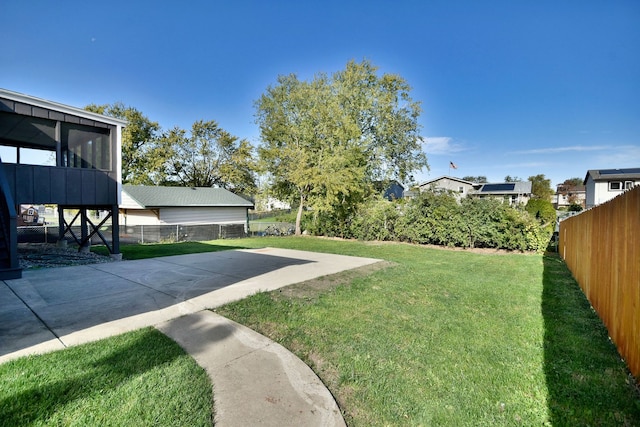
(514, 88)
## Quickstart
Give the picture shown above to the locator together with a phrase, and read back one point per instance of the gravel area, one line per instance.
(40, 255)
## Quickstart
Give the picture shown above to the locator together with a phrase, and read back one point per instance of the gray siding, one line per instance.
(61, 186)
(185, 216)
(203, 215)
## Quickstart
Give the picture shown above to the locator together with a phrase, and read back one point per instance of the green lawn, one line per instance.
(451, 338)
(135, 379)
(438, 337)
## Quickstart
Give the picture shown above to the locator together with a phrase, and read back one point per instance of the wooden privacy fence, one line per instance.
(601, 247)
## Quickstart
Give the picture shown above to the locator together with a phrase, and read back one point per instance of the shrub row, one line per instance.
(440, 219)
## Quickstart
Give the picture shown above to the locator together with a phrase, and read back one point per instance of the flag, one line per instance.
(452, 165)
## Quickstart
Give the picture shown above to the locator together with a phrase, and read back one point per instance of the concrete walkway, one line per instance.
(256, 381)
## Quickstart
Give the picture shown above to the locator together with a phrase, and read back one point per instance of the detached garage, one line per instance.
(151, 205)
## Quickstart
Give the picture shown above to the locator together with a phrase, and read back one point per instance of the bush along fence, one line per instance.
(272, 228)
(132, 234)
(601, 247)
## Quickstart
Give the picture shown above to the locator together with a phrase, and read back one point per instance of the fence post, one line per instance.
(142, 233)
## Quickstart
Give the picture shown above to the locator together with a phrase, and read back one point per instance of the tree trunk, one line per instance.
(299, 216)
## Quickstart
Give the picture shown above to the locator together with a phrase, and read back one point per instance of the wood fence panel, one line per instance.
(601, 247)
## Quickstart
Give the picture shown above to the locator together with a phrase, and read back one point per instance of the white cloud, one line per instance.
(619, 157)
(434, 145)
(528, 165)
(577, 148)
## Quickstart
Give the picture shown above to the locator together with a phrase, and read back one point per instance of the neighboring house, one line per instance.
(274, 204)
(458, 187)
(394, 191)
(602, 185)
(567, 195)
(512, 192)
(154, 205)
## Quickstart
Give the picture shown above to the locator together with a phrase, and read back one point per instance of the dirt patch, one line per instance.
(42, 255)
(312, 288)
(490, 251)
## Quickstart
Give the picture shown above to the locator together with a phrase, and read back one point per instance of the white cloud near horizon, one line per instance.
(436, 145)
(528, 165)
(622, 157)
(552, 150)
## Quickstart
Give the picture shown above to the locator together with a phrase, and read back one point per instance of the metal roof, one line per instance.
(156, 196)
(61, 108)
(522, 187)
(451, 178)
(612, 174)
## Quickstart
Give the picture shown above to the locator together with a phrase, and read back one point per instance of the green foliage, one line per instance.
(510, 178)
(431, 218)
(139, 155)
(574, 207)
(479, 220)
(209, 156)
(541, 187)
(439, 219)
(543, 211)
(327, 140)
(573, 182)
(376, 220)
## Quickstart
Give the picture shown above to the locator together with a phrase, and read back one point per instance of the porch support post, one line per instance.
(83, 231)
(115, 233)
(61, 227)
(58, 144)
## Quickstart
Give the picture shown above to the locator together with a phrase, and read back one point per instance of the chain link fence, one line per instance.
(272, 228)
(138, 233)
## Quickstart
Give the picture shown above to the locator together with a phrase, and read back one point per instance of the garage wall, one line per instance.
(204, 215)
(185, 216)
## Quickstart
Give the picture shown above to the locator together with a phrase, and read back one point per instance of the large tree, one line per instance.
(138, 142)
(326, 141)
(541, 187)
(207, 156)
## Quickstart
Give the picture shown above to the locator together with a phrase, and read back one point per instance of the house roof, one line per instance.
(61, 108)
(522, 187)
(612, 174)
(158, 197)
(451, 178)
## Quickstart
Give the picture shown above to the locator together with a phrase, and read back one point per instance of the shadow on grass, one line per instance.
(64, 380)
(154, 250)
(587, 382)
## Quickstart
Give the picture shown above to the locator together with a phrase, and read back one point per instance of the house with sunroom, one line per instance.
(85, 174)
(602, 185)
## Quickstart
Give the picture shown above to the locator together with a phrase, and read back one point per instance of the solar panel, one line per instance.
(490, 188)
(619, 171)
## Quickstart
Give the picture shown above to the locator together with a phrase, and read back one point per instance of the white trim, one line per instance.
(620, 184)
(66, 109)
